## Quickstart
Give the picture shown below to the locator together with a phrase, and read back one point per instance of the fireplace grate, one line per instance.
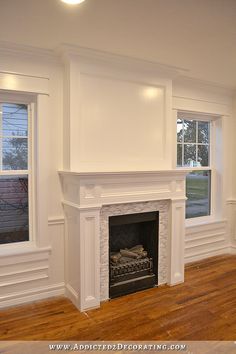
(133, 269)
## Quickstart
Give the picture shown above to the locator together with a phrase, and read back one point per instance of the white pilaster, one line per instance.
(176, 246)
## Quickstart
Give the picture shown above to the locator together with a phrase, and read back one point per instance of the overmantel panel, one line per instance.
(119, 118)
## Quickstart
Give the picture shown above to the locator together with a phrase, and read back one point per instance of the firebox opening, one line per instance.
(133, 252)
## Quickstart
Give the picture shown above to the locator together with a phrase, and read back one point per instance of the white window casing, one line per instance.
(215, 165)
(34, 92)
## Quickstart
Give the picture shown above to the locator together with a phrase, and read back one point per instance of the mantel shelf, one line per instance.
(125, 173)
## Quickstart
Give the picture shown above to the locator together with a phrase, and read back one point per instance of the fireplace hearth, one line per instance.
(133, 249)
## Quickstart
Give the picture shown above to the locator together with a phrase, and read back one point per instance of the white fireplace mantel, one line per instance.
(84, 195)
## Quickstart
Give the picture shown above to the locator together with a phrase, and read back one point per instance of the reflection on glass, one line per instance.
(198, 189)
(14, 120)
(203, 155)
(189, 131)
(179, 131)
(189, 155)
(203, 132)
(179, 155)
(14, 225)
(15, 153)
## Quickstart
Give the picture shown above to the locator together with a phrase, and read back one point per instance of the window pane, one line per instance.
(179, 155)
(203, 155)
(179, 131)
(14, 120)
(190, 155)
(198, 189)
(14, 225)
(14, 154)
(189, 131)
(203, 132)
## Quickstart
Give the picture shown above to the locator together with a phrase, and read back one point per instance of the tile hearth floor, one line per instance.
(202, 308)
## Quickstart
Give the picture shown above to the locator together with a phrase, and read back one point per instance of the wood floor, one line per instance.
(203, 308)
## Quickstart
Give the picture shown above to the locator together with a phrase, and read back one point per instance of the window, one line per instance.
(194, 152)
(14, 172)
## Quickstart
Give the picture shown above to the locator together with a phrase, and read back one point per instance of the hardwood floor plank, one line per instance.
(202, 308)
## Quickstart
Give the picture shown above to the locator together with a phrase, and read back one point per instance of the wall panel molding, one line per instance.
(60, 220)
(206, 240)
(199, 255)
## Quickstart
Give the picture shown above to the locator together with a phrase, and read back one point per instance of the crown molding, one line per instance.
(91, 56)
(25, 51)
(66, 52)
(212, 85)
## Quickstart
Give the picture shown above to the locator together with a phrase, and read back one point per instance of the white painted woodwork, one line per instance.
(117, 116)
(24, 83)
(35, 270)
(209, 236)
(124, 123)
(67, 115)
(177, 235)
(206, 240)
(231, 203)
(84, 194)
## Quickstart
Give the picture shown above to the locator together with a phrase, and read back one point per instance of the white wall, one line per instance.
(32, 272)
(117, 116)
(232, 200)
(212, 237)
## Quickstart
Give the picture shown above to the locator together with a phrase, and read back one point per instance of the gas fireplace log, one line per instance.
(124, 260)
(129, 254)
(137, 249)
(115, 257)
(143, 254)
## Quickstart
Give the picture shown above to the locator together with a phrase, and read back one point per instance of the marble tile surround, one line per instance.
(129, 208)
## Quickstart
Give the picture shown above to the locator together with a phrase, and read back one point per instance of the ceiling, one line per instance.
(198, 35)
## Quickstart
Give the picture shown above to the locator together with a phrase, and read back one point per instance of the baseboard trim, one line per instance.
(32, 295)
(206, 254)
(72, 294)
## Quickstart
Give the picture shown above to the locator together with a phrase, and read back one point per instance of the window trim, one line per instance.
(213, 119)
(35, 89)
(29, 101)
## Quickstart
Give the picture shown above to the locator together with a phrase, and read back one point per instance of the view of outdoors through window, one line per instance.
(193, 150)
(198, 193)
(14, 225)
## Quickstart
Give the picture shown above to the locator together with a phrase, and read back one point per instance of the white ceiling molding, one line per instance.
(25, 51)
(205, 84)
(92, 56)
(65, 52)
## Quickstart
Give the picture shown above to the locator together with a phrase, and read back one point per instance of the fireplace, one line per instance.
(99, 203)
(133, 252)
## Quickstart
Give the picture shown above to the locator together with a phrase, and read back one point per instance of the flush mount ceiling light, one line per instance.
(73, 2)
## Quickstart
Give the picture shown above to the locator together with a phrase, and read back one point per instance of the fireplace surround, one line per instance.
(107, 211)
(90, 199)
